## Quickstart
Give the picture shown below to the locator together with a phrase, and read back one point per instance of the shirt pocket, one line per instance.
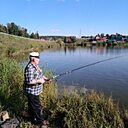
(36, 75)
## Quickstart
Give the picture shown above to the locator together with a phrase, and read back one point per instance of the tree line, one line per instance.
(112, 37)
(65, 39)
(12, 28)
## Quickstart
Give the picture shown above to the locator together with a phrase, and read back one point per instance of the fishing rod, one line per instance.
(88, 65)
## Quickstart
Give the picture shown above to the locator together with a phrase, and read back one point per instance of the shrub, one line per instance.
(11, 81)
(70, 109)
(91, 110)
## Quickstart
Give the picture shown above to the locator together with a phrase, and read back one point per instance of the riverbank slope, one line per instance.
(13, 46)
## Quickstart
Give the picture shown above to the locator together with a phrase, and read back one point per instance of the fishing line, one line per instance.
(85, 66)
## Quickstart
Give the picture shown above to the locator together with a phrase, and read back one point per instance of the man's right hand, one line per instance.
(41, 81)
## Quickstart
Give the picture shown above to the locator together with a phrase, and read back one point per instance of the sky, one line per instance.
(67, 17)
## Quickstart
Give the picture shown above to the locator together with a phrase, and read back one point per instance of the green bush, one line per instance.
(11, 81)
(91, 110)
(69, 109)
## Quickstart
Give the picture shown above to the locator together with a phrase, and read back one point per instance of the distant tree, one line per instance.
(12, 28)
(37, 35)
(25, 32)
(65, 39)
(3, 28)
(118, 37)
(102, 35)
(32, 36)
(73, 38)
(107, 36)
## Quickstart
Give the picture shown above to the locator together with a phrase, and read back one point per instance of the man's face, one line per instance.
(35, 60)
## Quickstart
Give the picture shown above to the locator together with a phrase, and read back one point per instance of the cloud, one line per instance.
(55, 30)
(65, 0)
(28, 0)
(61, 0)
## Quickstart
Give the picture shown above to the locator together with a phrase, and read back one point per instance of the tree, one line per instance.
(102, 35)
(32, 35)
(3, 28)
(36, 35)
(73, 38)
(107, 36)
(12, 28)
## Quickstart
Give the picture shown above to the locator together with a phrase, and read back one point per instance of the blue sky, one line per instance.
(67, 17)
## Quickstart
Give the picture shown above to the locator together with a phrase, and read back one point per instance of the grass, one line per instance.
(14, 46)
(91, 110)
(68, 110)
(11, 81)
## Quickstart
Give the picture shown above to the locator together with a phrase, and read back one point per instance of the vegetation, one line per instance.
(14, 29)
(68, 109)
(11, 81)
(14, 46)
(70, 39)
(73, 110)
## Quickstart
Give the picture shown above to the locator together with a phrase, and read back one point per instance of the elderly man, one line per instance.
(33, 81)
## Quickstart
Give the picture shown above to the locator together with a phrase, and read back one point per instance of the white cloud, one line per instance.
(65, 0)
(55, 30)
(28, 0)
(60, 0)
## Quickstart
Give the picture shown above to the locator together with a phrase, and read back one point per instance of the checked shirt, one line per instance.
(31, 73)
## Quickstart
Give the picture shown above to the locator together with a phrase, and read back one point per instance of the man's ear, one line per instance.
(33, 60)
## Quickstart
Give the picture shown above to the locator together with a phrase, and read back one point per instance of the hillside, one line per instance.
(11, 46)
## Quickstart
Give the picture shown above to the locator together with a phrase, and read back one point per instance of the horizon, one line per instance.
(67, 17)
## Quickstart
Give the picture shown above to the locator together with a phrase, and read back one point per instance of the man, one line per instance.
(33, 81)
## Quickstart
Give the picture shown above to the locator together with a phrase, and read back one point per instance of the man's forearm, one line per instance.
(37, 81)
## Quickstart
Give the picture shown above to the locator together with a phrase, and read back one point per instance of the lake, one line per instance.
(110, 77)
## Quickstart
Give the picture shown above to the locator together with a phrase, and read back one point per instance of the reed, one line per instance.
(11, 81)
(91, 110)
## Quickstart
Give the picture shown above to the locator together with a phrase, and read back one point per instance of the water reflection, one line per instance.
(111, 77)
(69, 49)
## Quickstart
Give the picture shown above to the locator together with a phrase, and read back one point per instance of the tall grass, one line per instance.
(11, 81)
(14, 46)
(68, 110)
(91, 110)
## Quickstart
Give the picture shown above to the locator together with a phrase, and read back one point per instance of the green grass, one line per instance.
(11, 81)
(13, 46)
(91, 110)
(68, 110)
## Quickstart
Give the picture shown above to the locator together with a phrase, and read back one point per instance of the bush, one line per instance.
(11, 81)
(68, 110)
(91, 110)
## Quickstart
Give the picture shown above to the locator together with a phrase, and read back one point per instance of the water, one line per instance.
(110, 77)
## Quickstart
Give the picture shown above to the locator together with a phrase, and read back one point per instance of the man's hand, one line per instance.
(41, 81)
(48, 80)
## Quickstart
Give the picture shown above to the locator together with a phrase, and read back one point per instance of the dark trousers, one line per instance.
(34, 108)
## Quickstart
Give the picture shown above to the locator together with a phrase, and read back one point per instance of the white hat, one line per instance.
(34, 54)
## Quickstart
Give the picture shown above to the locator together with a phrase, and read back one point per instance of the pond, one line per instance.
(109, 77)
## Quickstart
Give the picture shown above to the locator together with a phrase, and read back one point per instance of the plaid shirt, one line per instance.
(31, 73)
